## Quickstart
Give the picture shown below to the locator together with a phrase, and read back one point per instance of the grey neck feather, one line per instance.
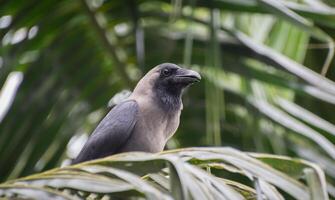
(169, 101)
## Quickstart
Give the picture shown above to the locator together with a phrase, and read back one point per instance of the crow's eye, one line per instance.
(166, 72)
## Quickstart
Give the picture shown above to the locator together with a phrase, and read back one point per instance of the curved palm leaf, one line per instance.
(182, 174)
(75, 55)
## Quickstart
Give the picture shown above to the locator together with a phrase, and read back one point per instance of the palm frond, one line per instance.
(193, 173)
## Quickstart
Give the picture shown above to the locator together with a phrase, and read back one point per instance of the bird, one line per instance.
(147, 119)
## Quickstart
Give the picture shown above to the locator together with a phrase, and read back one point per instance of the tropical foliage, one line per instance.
(174, 175)
(267, 68)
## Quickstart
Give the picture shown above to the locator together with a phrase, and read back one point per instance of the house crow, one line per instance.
(146, 119)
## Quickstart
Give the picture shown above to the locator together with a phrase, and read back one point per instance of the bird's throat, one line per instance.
(169, 101)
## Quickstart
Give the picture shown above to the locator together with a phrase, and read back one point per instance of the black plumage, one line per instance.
(111, 133)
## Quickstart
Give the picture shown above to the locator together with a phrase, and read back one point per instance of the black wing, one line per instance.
(112, 132)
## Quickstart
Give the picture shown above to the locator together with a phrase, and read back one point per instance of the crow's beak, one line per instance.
(187, 76)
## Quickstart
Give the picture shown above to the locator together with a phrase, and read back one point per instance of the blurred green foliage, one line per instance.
(266, 66)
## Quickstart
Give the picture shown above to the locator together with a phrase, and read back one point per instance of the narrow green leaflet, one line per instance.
(305, 115)
(186, 177)
(38, 193)
(277, 7)
(289, 122)
(274, 58)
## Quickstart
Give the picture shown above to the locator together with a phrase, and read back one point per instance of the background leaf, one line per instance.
(268, 87)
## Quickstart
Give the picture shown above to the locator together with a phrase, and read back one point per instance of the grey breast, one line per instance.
(153, 128)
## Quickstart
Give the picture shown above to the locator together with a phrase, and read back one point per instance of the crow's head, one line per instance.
(165, 83)
(172, 78)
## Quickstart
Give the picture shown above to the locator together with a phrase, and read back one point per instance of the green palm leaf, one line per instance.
(185, 170)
